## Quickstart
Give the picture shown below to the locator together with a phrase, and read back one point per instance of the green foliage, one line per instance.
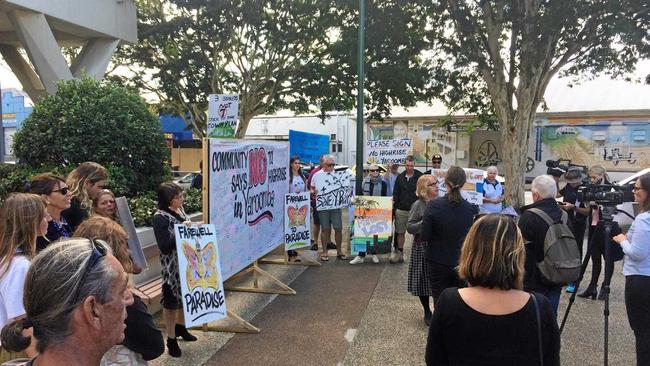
(193, 200)
(13, 177)
(89, 121)
(142, 209)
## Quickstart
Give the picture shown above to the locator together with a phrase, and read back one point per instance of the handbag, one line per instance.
(539, 330)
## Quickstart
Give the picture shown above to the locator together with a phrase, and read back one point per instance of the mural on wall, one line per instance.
(617, 145)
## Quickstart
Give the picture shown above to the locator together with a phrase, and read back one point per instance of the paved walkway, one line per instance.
(362, 315)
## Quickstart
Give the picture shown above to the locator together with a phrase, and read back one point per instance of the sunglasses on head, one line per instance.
(63, 190)
(97, 253)
(374, 170)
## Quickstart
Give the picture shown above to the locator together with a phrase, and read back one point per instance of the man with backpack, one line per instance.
(552, 255)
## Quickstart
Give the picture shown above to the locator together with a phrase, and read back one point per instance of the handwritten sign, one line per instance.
(472, 191)
(308, 146)
(248, 180)
(297, 221)
(372, 225)
(200, 273)
(333, 189)
(387, 151)
(223, 111)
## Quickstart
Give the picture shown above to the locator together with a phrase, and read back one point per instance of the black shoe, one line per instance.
(172, 347)
(427, 319)
(331, 246)
(182, 332)
(590, 292)
(601, 294)
(314, 246)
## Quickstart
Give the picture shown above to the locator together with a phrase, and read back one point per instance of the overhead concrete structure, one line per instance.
(42, 27)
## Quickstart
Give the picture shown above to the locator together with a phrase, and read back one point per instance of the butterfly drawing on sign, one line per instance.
(297, 215)
(201, 265)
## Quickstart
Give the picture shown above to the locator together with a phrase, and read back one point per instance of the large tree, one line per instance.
(512, 49)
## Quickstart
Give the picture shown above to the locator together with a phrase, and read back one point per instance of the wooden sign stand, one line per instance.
(305, 260)
(256, 271)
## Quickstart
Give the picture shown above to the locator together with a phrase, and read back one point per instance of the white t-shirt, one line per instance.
(298, 184)
(11, 290)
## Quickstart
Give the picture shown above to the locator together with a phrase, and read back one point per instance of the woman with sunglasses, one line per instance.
(85, 182)
(22, 220)
(76, 294)
(142, 339)
(636, 268)
(372, 185)
(170, 212)
(57, 195)
(418, 280)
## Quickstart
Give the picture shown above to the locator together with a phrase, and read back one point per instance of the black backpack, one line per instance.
(562, 261)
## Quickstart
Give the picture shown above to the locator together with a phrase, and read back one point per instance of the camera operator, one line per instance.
(636, 246)
(596, 244)
(571, 204)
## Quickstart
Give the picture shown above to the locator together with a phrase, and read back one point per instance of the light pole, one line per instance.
(361, 77)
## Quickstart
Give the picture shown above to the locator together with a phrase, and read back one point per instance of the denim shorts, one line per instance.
(330, 219)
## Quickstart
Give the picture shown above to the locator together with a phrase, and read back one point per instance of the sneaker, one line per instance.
(397, 257)
(571, 288)
(357, 260)
(331, 246)
(375, 259)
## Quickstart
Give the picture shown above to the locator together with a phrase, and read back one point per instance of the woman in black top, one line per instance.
(445, 223)
(493, 322)
(170, 212)
(85, 184)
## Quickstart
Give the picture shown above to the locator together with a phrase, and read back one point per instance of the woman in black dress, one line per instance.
(493, 322)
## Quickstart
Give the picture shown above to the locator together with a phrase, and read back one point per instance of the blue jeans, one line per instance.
(553, 296)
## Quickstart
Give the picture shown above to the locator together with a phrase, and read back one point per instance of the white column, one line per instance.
(23, 71)
(94, 57)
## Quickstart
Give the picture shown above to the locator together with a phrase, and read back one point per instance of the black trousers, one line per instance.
(637, 303)
(596, 244)
(441, 277)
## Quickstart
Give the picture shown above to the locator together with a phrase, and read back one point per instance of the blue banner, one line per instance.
(308, 146)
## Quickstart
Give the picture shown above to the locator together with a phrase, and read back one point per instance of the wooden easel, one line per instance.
(305, 259)
(241, 325)
(257, 271)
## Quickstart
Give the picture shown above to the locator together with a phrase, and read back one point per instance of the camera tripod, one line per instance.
(609, 225)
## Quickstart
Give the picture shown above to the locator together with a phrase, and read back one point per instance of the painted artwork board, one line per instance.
(472, 191)
(372, 228)
(202, 291)
(297, 221)
(247, 184)
(223, 113)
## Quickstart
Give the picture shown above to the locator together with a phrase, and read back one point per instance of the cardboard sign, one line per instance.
(297, 221)
(202, 292)
(387, 151)
(472, 191)
(333, 189)
(247, 183)
(126, 220)
(308, 146)
(373, 217)
(223, 112)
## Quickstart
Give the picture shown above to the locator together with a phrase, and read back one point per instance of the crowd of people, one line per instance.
(64, 252)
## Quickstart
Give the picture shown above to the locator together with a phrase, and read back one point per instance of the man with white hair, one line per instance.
(534, 228)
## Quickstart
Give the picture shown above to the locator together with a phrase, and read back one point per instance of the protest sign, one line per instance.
(308, 146)
(126, 220)
(247, 183)
(373, 217)
(223, 111)
(387, 151)
(333, 189)
(202, 290)
(472, 191)
(297, 221)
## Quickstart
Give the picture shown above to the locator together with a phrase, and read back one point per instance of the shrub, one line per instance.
(86, 120)
(193, 200)
(142, 209)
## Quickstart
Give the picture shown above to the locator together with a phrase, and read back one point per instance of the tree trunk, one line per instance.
(515, 152)
(244, 120)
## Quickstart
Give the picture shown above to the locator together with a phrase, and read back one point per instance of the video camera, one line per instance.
(558, 167)
(606, 194)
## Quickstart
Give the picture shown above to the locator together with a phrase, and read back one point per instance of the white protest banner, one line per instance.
(247, 182)
(333, 189)
(223, 111)
(126, 220)
(201, 281)
(387, 151)
(297, 221)
(472, 191)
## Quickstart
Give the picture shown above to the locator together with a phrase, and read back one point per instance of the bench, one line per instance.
(150, 291)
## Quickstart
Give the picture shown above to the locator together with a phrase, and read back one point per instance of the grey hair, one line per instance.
(53, 290)
(545, 186)
(492, 168)
(329, 157)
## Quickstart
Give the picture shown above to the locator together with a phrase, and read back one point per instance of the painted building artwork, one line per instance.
(617, 145)
(422, 135)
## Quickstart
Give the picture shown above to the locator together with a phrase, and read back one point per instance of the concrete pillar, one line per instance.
(23, 71)
(42, 48)
(94, 58)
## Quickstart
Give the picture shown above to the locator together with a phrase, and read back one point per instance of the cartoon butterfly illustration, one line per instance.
(202, 265)
(297, 215)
